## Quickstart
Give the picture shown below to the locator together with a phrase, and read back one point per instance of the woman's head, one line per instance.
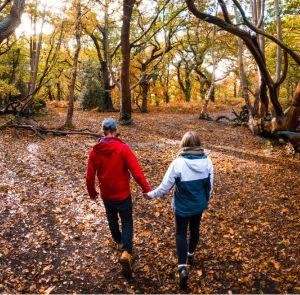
(190, 139)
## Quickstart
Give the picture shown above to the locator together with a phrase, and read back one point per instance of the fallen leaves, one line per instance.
(49, 290)
(53, 239)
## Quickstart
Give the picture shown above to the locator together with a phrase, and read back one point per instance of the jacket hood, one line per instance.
(107, 146)
(196, 163)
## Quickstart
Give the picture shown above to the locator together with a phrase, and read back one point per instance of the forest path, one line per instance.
(53, 238)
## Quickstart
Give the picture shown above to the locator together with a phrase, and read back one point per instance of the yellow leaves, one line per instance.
(231, 231)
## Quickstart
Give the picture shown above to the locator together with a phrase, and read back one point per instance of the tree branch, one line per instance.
(292, 53)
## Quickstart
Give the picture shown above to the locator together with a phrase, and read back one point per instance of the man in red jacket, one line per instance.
(112, 160)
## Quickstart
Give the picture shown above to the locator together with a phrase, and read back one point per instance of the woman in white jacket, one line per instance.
(192, 174)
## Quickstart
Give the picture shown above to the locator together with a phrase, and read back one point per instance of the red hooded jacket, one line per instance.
(112, 160)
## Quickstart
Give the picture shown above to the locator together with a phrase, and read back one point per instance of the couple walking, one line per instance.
(191, 173)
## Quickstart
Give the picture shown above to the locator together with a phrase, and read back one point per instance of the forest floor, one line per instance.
(54, 239)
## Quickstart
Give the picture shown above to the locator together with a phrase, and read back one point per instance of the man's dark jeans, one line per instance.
(122, 209)
(182, 224)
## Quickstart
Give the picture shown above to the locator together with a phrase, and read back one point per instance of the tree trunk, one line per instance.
(125, 112)
(292, 116)
(290, 121)
(166, 96)
(35, 52)
(253, 124)
(234, 88)
(49, 91)
(107, 101)
(211, 91)
(188, 88)
(59, 91)
(69, 119)
(279, 37)
(12, 21)
(208, 96)
(243, 78)
(145, 85)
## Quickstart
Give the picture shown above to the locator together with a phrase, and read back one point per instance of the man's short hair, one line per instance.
(109, 125)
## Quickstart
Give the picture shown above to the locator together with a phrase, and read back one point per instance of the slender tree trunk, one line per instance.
(253, 124)
(279, 37)
(59, 91)
(166, 96)
(35, 53)
(210, 93)
(243, 78)
(50, 95)
(145, 85)
(107, 101)
(234, 88)
(69, 119)
(125, 112)
(188, 88)
(208, 96)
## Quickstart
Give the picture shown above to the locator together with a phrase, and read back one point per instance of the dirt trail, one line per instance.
(53, 238)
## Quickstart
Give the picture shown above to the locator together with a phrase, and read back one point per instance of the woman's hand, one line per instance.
(148, 196)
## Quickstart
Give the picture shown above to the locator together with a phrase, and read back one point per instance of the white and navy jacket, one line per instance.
(193, 179)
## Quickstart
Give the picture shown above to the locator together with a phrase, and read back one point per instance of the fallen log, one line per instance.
(223, 118)
(291, 136)
(42, 131)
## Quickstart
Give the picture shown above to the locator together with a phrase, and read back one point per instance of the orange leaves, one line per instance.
(276, 264)
(145, 233)
(157, 214)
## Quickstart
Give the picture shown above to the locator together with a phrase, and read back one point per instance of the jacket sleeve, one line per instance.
(90, 175)
(211, 176)
(135, 169)
(167, 182)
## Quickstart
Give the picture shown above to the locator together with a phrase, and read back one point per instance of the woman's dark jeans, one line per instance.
(182, 246)
(122, 209)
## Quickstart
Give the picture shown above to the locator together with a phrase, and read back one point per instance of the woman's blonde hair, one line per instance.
(190, 139)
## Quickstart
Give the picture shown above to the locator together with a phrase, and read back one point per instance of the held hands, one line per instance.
(148, 196)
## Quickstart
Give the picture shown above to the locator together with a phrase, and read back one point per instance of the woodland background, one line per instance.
(160, 68)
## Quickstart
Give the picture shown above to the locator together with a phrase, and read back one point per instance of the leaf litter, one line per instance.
(53, 239)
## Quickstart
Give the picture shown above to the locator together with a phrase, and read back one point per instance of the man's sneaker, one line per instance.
(183, 277)
(190, 259)
(125, 261)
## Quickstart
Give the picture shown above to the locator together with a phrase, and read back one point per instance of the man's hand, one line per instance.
(146, 196)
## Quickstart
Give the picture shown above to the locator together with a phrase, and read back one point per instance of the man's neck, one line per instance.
(110, 135)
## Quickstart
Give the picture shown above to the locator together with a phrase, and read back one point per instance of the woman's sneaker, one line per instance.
(125, 261)
(190, 259)
(183, 277)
